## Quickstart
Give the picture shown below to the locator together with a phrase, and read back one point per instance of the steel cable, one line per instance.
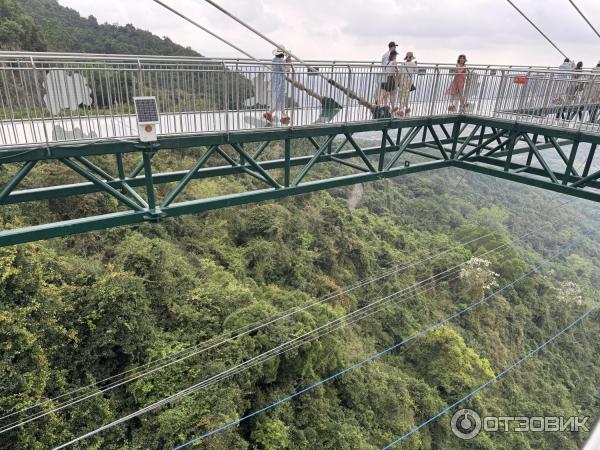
(194, 388)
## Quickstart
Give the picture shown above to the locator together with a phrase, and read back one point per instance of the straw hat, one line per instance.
(278, 52)
(409, 55)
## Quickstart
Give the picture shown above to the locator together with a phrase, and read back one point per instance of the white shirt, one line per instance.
(384, 58)
(390, 67)
(410, 67)
(564, 66)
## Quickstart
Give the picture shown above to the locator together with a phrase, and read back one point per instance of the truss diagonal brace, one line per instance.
(586, 180)
(466, 142)
(438, 142)
(238, 148)
(313, 160)
(407, 140)
(360, 152)
(188, 177)
(242, 166)
(12, 184)
(540, 158)
(105, 186)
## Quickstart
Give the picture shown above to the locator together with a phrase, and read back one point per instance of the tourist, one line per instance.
(406, 82)
(386, 56)
(566, 65)
(387, 93)
(595, 89)
(575, 86)
(561, 85)
(592, 96)
(381, 79)
(456, 90)
(277, 89)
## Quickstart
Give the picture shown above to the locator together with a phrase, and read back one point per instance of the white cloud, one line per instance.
(489, 31)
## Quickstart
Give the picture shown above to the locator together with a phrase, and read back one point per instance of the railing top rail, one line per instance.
(114, 58)
(53, 98)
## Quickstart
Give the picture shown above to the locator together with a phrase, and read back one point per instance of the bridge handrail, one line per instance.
(52, 99)
(101, 57)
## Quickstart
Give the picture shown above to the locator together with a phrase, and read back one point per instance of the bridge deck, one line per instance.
(48, 100)
(532, 126)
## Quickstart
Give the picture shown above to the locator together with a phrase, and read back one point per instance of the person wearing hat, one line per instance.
(406, 80)
(386, 56)
(385, 61)
(277, 89)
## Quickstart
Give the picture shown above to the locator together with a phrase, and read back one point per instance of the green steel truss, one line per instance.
(529, 154)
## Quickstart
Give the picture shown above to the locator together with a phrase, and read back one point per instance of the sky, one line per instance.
(488, 31)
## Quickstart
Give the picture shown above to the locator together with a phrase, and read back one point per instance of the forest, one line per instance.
(77, 311)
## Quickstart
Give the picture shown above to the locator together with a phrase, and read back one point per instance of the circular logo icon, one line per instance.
(466, 424)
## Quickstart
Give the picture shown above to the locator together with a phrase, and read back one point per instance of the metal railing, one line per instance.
(50, 99)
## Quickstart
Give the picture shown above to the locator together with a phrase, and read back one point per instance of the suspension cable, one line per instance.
(536, 27)
(584, 18)
(383, 352)
(146, 369)
(191, 390)
(348, 92)
(206, 30)
(495, 378)
(251, 328)
(260, 358)
(343, 321)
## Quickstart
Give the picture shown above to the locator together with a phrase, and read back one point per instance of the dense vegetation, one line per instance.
(77, 310)
(17, 29)
(62, 29)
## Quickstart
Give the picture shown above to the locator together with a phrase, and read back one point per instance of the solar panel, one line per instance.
(146, 110)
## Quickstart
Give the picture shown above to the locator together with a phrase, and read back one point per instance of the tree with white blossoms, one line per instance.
(478, 278)
(570, 292)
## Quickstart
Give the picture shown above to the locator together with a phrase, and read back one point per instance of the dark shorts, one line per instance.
(389, 84)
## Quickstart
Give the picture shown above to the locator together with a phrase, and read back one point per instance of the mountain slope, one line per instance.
(18, 30)
(64, 30)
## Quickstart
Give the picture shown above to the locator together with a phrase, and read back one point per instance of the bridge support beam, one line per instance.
(499, 152)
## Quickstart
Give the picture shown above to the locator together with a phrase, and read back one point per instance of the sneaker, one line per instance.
(407, 111)
(285, 120)
(268, 116)
(451, 108)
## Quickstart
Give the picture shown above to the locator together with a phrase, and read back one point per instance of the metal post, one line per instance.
(455, 134)
(120, 166)
(382, 151)
(434, 91)
(347, 98)
(588, 163)
(40, 99)
(512, 139)
(147, 155)
(286, 168)
(226, 106)
(570, 163)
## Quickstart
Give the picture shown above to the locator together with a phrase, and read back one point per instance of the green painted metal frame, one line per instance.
(475, 144)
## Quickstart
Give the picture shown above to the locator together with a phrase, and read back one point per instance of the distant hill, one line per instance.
(63, 29)
(17, 29)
